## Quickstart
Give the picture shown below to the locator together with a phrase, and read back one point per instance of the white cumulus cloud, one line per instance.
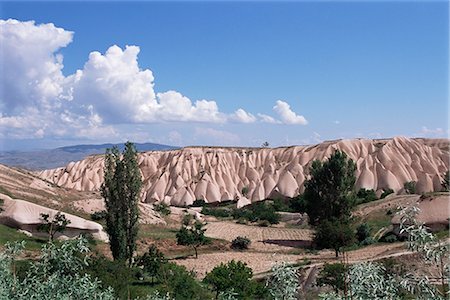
(287, 116)
(242, 116)
(268, 119)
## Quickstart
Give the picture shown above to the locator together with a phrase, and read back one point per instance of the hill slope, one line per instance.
(54, 158)
(250, 174)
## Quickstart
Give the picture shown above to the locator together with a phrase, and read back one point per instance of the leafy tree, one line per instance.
(54, 276)
(283, 284)
(333, 275)
(329, 192)
(265, 144)
(446, 182)
(98, 215)
(362, 232)
(410, 187)
(386, 192)
(51, 226)
(152, 261)
(192, 234)
(233, 275)
(333, 234)
(121, 191)
(181, 284)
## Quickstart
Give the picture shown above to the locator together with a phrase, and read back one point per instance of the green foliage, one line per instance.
(298, 204)
(446, 182)
(259, 211)
(162, 208)
(386, 192)
(333, 275)
(283, 205)
(180, 284)
(333, 235)
(1, 204)
(152, 261)
(362, 232)
(217, 212)
(99, 215)
(283, 284)
(365, 196)
(192, 234)
(54, 276)
(244, 191)
(121, 190)
(233, 275)
(240, 243)
(410, 187)
(51, 226)
(329, 192)
(199, 203)
(389, 238)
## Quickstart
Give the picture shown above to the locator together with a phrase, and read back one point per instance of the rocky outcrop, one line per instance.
(214, 174)
(25, 215)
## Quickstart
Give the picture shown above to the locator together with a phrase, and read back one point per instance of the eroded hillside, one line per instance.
(180, 176)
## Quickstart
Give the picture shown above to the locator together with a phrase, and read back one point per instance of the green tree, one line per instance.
(233, 275)
(329, 192)
(51, 226)
(121, 190)
(333, 275)
(364, 196)
(446, 182)
(152, 262)
(334, 235)
(362, 232)
(386, 192)
(192, 234)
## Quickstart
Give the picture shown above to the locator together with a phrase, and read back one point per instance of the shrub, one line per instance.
(98, 215)
(217, 212)
(367, 241)
(298, 204)
(386, 192)
(240, 243)
(162, 208)
(389, 238)
(446, 182)
(242, 221)
(199, 203)
(410, 187)
(192, 234)
(364, 196)
(264, 223)
(244, 191)
(51, 226)
(152, 262)
(282, 205)
(362, 232)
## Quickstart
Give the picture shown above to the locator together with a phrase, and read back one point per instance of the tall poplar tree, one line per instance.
(121, 190)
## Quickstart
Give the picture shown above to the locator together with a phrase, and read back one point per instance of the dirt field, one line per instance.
(264, 239)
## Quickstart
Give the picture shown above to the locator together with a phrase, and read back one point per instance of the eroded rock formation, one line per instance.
(181, 176)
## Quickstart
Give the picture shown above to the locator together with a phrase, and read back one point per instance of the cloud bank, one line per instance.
(37, 100)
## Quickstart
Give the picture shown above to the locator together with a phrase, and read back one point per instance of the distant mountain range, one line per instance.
(54, 158)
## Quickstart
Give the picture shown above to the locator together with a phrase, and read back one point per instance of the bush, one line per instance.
(162, 208)
(244, 191)
(386, 192)
(389, 238)
(242, 221)
(333, 235)
(362, 232)
(264, 223)
(282, 205)
(365, 196)
(98, 215)
(367, 241)
(217, 212)
(410, 187)
(259, 211)
(240, 243)
(199, 203)
(298, 204)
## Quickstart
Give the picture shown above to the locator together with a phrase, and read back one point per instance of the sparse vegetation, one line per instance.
(199, 203)
(162, 208)
(446, 182)
(334, 276)
(365, 196)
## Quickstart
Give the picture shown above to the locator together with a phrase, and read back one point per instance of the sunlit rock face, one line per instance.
(214, 174)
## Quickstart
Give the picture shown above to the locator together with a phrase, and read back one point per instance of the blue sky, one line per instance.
(345, 70)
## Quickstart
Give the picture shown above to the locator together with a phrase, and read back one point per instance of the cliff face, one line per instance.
(180, 176)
